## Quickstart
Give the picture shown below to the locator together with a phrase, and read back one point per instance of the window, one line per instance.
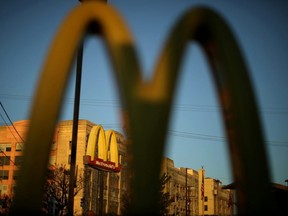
(8, 147)
(205, 198)
(206, 208)
(4, 160)
(5, 147)
(52, 160)
(13, 189)
(53, 147)
(19, 146)
(18, 160)
(15, 174)
(4, 174)
(3, 189)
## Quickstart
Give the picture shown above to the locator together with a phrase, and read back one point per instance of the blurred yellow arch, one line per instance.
(148, 104)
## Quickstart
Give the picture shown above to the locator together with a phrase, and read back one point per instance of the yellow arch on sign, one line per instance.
(97, 139)
(112, 147)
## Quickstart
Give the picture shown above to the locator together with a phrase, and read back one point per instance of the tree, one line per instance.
(125, 203)
(55, 200)
(165, 199)
(5, 204)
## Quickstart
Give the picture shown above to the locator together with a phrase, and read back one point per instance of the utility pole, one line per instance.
(186, 204)
(72, 180)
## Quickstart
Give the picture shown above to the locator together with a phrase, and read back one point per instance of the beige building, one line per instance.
(194, 194)
(102, 190)
(11, 146)
(182, 187)
(214, 200)
(191, 192)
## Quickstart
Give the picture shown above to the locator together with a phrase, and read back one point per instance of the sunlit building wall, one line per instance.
(11, 150)
(217, 201)
(182, 187)
(104, 191)
(11, 147)
(185, 188)
(62, 145)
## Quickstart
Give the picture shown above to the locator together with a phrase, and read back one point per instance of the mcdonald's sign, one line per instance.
(148, 105)
(104, 144)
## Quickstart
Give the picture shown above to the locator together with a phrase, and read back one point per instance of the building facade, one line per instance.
(11, 147)
(192, 193)
(107, 192)
(217, 201)
(182, 187)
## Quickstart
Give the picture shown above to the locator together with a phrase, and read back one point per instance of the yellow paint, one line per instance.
(112, 147)
(97, 140)
(147, 104)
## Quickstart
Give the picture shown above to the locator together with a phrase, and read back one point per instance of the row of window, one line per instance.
(6, 147)
(4, 189)
(6, 160)
(4, 174)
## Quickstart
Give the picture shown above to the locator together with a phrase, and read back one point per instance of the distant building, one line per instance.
(191, 192)
(182, 187)
(217, 201)
(11, 146)
(194, 194)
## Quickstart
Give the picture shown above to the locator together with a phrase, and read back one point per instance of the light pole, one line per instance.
(75, 131)
(75, 126)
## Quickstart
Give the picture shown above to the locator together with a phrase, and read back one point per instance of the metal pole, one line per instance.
(186, 193)
(75, 130)
(72, 180)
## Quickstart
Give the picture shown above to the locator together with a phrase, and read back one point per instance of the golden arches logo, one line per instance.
(97, 139)
(102, 150)
(113, 154)
(148, 104)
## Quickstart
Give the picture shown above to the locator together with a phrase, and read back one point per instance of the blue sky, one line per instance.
(196, 136)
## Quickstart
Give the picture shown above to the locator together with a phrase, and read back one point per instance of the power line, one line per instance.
(175, 107)
(11, 122)
(180, 107)
(199, 136)
(196, 136)
(85, 102)
(8, 157)
(10, 132)
(12, 135)
(8, 126)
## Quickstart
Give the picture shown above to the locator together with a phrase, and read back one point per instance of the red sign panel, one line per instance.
(98, 163)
